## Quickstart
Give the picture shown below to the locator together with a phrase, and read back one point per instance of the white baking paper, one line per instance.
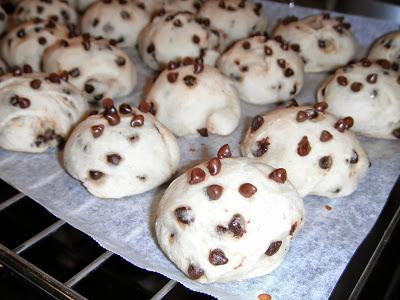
(318, 255)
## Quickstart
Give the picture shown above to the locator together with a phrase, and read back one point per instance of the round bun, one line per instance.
(238, 19)
(321, 156)
(232, 223)
(3, 20)
(25, 44)
(55, 10)
(174, 36)
(264, 71)
(94, 66)
(119, 22)
(194, 99)
(116, 155)
(37, 110)
(387, 47)
(324, 43)
(369, 93)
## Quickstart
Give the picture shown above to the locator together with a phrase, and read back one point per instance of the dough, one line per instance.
(264, 71)
(56, 10)
(236, 18)
(177, 35)
(37, 110)
(387, 47)
(26, 43)
(119, 22)
(121, 154)
(321, 156)
(94, 66)
(194, 99)
(369, 93)
(228, 219)
(325, 43)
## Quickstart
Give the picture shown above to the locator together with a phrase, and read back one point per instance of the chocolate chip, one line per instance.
(27, 69)
(195, 272)
(151, 48)
(295, 47)
(356, 86)
(214, 166)
(88, 88)
(86, 44)
(42, 40)
(120, 61)
(125, 108)
(54, 78)
(325, 162)
(246, 45)
(35, 84)
(17, 71)
(203, 132)
(221, 229)
(184, 215)
(281, 63)
(125, 15)
(224, 152)
(21, 33)
(396, 133)
(343, 124)
(257, 8)
(384, 63)
(95, 22)
(256, 123)
(237, 226)
(289, 19)
(137, 121)
(178, 23)
(301, 116)
(110, 112)
(172, 76)
(372, 78)
(214, 191)
(342, 80)
(293, 228)
(268, 51)
(366, 62)
(262, 147)
(24, 102)
(95, 175)
(354, 157)
(292, 103)
(273, 248)
(75, 72)
(187, 61)
(303, 147)
(338, 28)
(278, 175)
(189, 80)
(64, 76)
(325, 136)
(217, 257)
(322, 44)
(196, 39)
(197, 175)
(97, 130)
(114, 159)
(198, 68)
(247, 190)
(289, 72)
(147, 107)
(321, 106)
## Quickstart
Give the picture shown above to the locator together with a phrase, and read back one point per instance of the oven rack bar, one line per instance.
(43, 280)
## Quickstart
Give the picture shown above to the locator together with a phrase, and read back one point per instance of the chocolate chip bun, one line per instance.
(94, 66)
(369, 93)
(37, 110)
(325, 43)
(26, 43)
(228, 219)
(387, 47)
(3, 67)
(264, 71)
(321, 156)
(121, 154)
(177, 35)
(238, 19)
(194, 99)
(3, 20)
(120, 22)
(56, 10)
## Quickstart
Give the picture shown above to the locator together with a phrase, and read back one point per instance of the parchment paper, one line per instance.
(318, 255)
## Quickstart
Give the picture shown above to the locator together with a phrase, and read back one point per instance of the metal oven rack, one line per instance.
(50, 259)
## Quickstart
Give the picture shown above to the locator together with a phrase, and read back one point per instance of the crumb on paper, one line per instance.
(264, 297)
(328, 207)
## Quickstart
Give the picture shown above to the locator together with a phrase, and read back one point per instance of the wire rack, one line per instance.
(56, 281)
